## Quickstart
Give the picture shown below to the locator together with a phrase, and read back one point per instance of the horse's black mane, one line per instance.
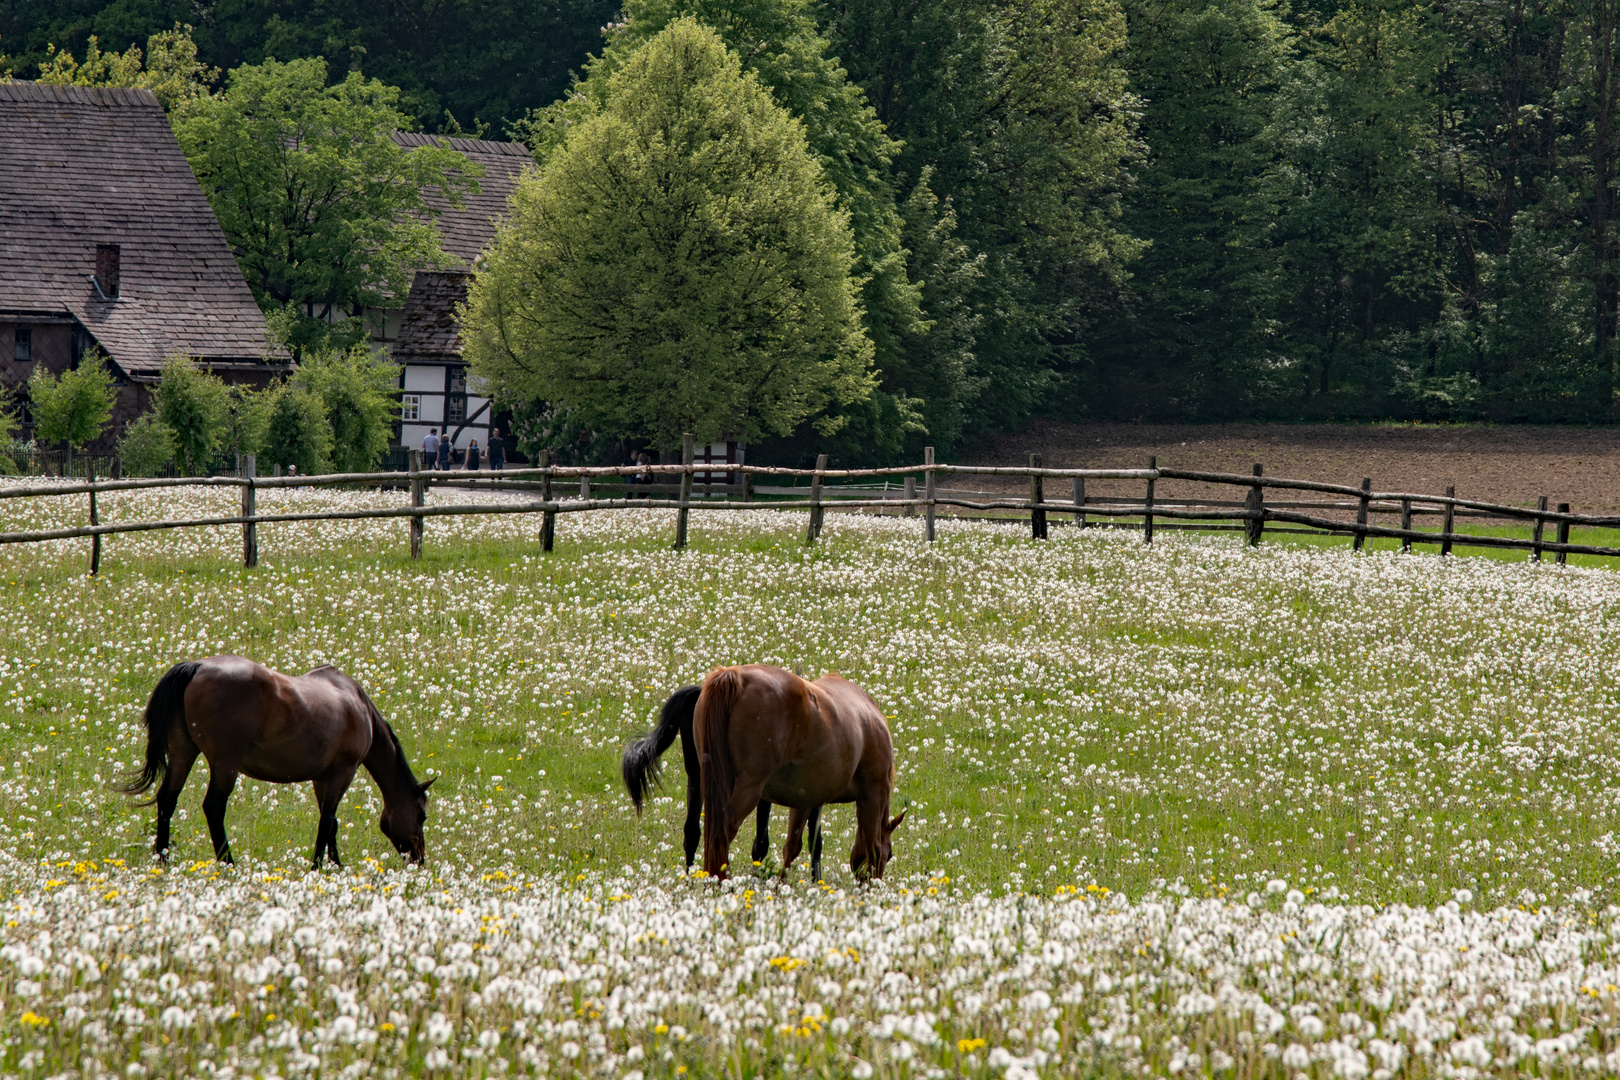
(399, 748)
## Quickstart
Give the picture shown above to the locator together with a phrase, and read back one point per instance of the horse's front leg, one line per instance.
(182, 754)
(328, 793)
(762, 831)
(221, 783)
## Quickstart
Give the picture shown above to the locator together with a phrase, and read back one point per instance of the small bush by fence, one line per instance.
(916, 491)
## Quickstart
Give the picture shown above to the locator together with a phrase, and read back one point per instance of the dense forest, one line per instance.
(1155, 209)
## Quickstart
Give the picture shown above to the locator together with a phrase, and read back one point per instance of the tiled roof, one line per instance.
(466, 232)
(87, 166)
(428, 331)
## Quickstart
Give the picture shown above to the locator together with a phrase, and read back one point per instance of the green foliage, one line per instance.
(326, 213)
(357, 394)
(194, 405)
(147, 446)
(75, 406)
(1020, 115)
(779, 42)
(170, 69)
(296, 430)
(489, 59)
(678, 263)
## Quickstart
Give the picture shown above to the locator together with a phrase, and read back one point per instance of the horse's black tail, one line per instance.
(641, 765)
(166, 706)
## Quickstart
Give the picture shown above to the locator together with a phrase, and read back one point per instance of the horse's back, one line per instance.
(857, 710)
(276, 727)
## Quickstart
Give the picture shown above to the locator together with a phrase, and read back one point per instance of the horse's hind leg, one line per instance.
(182, 754)
(762, 831)
(220, 786)
(795, 842)
(328, 793)
(694, 794)
(815, 844)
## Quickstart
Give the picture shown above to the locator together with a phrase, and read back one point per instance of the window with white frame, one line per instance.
(410, 407)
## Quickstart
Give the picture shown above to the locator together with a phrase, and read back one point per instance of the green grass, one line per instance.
(1071, 712)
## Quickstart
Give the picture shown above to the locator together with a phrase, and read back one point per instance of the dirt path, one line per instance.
(1580, 466)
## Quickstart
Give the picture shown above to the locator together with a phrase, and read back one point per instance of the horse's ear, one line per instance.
(421, 789)
(894, 823)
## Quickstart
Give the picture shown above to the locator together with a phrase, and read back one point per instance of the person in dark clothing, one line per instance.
(473, 455)
(444, 451)
(497, 449)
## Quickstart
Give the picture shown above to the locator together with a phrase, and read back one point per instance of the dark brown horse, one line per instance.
(640, 768)
(246, 719)
(764, 734)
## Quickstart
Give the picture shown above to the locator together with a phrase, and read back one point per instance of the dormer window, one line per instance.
(23, 347)
(106, 279)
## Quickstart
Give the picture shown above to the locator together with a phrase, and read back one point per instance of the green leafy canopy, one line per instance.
(325, 211)
(679, 263)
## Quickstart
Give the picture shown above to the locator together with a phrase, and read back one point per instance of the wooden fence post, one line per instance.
(1361, 514)
(813, 530)
(585, 487)
(928, 494)
(1037, 496)
(688, 451)
(1406, 525)
(1541, 508)
(548, 518)
(418, 498)
(1445, 529)
(95, 519)
(1147, 505)
(250, 510)
(1255, 504)
(1563, 533)
(1079, 494)
(911, 496)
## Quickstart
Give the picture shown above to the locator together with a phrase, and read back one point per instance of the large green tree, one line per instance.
(779, 42)
(327, 214)
(678, 264)
(1020, 112)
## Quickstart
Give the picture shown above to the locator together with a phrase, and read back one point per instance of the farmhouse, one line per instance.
(423, 336)
(107, 241)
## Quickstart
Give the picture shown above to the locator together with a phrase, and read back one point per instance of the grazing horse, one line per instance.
(246, 719)
(640, 768)
(765, 734)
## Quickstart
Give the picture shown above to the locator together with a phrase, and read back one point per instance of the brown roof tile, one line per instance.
(466, 232)
(428, 331)
(87, 166)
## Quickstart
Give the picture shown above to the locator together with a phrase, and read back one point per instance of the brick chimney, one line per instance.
(107, 270)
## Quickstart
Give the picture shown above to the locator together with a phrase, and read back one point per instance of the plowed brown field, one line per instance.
(1514, 465)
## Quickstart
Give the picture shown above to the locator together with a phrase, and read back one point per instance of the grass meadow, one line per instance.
(1198, 809)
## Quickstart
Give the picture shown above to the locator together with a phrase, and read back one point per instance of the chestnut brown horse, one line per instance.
(763, 734)
(248, 720)
(640, 768)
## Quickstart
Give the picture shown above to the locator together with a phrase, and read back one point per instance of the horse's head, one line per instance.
(402, 820)
(882, 848)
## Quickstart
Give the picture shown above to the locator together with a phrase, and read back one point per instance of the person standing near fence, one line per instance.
(473, 455)
(430, 447)
(445, 446)
(497, 449)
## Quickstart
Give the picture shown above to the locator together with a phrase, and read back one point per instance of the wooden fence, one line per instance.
(1351, 510)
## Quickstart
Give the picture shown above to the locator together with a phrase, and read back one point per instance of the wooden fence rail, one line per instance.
(695, 487)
